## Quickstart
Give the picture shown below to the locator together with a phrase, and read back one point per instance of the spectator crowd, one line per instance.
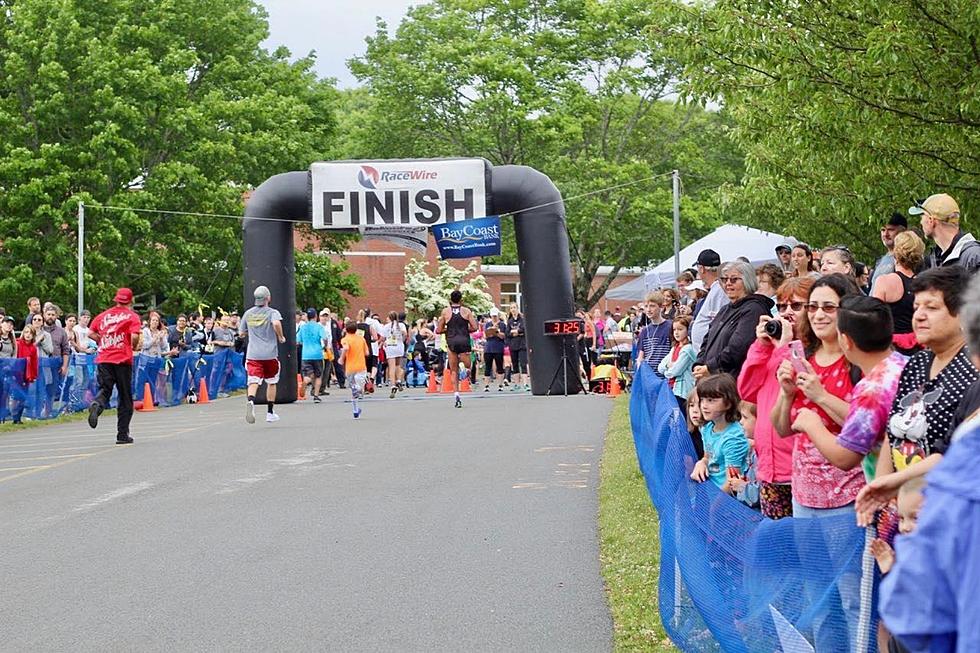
(818, 386)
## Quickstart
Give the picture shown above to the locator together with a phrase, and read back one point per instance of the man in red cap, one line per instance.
(117, 332)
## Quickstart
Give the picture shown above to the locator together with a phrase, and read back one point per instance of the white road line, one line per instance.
(94, 446)
(115, 495)
(21, 460)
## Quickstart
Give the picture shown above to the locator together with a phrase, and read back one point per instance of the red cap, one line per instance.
(123, 296)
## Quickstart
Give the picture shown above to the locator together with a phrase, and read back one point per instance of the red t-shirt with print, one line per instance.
(116, 326)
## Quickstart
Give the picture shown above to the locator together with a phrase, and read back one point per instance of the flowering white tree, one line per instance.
(425, 295)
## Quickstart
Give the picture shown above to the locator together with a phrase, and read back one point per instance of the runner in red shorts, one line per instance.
(263, 326)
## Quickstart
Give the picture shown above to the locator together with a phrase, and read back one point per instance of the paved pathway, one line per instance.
(417, 528)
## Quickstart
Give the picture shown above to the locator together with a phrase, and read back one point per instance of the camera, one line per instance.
(774, 329)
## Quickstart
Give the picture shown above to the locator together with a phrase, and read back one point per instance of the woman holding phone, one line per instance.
(815, 383)
(816, 377)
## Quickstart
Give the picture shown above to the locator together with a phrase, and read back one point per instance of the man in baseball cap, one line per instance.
(940, 220)
(263, 326)
(784, 253)
(895, 225)
(708, 265)
(117, 332)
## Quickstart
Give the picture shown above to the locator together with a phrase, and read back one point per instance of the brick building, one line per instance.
(380, 266)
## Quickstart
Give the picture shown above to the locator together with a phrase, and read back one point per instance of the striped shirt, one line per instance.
(655, 343)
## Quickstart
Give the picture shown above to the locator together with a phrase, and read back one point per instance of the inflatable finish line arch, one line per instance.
(345, 195)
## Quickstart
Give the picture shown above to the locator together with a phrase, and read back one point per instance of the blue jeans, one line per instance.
(835, 623)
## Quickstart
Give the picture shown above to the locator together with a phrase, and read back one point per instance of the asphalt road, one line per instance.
(419, 527)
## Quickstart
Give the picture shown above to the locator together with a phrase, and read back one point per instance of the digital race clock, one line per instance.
(569, 327)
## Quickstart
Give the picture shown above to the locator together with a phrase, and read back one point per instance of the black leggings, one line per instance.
(518, 361)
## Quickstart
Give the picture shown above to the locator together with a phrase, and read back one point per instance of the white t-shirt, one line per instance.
(394, 337)
(377, 329)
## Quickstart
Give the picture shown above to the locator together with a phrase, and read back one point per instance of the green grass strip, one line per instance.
(630, 542)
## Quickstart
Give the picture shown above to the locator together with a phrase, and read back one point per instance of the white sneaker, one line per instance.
(250, 412)
(271, 417)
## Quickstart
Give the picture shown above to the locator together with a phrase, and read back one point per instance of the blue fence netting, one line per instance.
(733, 580)
(171, 380)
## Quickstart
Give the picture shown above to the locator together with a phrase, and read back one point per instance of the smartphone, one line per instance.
(797, 356)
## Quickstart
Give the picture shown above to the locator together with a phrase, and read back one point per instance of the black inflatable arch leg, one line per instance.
(269, 261)
(545, 268)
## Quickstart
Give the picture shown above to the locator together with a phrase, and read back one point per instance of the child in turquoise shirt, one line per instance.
(726, 449)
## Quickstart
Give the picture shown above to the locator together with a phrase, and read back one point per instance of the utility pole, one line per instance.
(81, 257)
(677, 223)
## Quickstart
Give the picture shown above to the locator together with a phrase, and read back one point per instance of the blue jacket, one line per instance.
(929, 600)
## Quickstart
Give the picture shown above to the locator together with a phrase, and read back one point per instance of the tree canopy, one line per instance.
(846, 110)
(572, 88)
(155, 105)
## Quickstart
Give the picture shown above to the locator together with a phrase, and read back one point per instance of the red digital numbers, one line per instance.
(570, 327)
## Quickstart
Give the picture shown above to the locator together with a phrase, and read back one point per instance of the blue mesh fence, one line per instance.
(733, 580)
(52, 394)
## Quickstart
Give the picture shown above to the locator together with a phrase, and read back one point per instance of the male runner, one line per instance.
(354, 359)
(117, 332)
(312, 336)
(263, 326)
(457, 323)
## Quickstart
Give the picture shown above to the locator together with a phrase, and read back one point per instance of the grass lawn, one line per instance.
(629, 541)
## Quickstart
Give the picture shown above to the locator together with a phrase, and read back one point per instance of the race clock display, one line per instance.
(568, 327)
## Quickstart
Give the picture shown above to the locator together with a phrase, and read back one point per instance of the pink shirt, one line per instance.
(817, 483)
(757, 384)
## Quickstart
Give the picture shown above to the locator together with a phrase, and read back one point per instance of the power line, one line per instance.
(107, 207)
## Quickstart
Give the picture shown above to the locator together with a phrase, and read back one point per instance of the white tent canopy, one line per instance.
(730, 241)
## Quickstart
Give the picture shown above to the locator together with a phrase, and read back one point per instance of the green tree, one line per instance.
(845, 109)
(169, 104)
(569, 87)
(321, 282)
(426, 296)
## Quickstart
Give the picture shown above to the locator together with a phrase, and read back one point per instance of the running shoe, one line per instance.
(527, 387)
(486, 388)
(93, 414)
(394, 391)
(250, 412)
(124, 439)
(316, 399)
(459, 402)
(357, 413)
(500, 388)
(271, 417)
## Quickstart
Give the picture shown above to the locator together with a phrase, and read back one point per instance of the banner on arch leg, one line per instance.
(469, 238)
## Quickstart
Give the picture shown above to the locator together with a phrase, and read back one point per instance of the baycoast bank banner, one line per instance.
(469, 239)
(403, 193)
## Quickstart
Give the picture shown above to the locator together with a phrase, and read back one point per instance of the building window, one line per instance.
(510, 293)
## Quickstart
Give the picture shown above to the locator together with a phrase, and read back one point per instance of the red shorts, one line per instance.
(263, 370)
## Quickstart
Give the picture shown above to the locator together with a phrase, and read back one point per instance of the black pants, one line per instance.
(120, 376)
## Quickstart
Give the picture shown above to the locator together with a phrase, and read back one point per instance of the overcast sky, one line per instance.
(335, 29)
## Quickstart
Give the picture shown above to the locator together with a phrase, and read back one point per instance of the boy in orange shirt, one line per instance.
(354, 359)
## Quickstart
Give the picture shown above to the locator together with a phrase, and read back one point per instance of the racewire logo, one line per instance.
(370, 178)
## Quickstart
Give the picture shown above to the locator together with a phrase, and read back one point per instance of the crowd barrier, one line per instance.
(733, 580)
(52, 394)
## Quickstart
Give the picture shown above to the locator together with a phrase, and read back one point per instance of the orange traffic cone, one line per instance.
(202, 393)
(433, 386)
(147, 406)
(301, 387)
(614, 389)
(447, 380)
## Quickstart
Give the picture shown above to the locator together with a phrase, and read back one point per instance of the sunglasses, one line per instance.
(796, 306)
(829, 309)
(729, 279)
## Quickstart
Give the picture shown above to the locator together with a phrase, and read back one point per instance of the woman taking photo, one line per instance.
(895, 289)
(518, 349)
(758, 384)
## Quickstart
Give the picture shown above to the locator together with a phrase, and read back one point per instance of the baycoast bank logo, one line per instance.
(371, 178)
(464, 233)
